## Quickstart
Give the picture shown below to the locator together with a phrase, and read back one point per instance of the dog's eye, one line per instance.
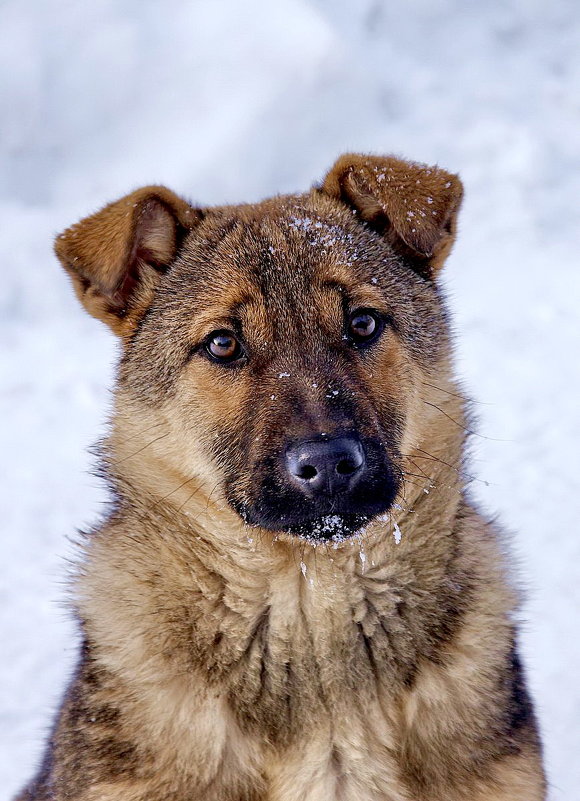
(223, 347)
(364, 327)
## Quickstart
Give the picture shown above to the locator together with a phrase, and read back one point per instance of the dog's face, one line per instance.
(284, 342)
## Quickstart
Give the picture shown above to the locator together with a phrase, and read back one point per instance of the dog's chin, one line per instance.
(329, 528)
(336, 527)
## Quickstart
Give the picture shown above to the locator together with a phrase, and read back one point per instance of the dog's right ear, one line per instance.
(116, 256)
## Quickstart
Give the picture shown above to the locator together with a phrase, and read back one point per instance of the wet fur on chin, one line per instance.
(231, 662)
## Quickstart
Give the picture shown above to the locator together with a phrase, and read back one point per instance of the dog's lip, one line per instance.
(330, 528)
(331, 525)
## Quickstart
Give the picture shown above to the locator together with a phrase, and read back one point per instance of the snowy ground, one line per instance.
(226, 101)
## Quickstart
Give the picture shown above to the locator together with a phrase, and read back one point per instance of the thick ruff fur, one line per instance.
(225, 660)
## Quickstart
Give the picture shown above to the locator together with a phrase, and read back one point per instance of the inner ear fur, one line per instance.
(115, 257)
(413, 205)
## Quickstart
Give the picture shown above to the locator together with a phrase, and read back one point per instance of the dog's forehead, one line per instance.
(279, 253)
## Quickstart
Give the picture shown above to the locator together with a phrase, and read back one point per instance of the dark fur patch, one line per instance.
(86, 746)
(521, 728)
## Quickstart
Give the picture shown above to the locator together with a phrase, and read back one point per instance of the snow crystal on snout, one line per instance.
(397, 533)
(329, 524)
(331, 529)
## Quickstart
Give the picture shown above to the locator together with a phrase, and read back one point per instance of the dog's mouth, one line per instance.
(334, 521)
(330, 528)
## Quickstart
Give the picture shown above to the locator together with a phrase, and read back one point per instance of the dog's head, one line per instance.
(281, 344)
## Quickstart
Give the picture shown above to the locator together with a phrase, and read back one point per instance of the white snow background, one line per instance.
(230, 101)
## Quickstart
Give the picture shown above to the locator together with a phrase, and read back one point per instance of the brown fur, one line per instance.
(229, 662)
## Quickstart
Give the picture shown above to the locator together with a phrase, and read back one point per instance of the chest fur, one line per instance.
(282, 677)
(349, 752)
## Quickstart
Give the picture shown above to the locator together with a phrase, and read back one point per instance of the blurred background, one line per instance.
(230, 101)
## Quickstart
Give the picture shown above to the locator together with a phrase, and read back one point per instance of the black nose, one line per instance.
(326, 466)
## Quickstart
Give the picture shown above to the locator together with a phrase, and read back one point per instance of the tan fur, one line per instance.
(227, 662)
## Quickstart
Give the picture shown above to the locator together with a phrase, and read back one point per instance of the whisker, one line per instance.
(189, 497)
(140, 433)
(206, 510)
(459, 425)
(431, 458)
(418, 467)
(454, 394)
(187, 481)
(131, 455)
(450, 466)
(415, 475)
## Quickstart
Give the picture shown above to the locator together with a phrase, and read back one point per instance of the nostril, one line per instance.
(307, 472)
(346, 467)
(325, 467)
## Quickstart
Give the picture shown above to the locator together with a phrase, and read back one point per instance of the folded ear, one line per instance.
(116, 256)
(413, 205)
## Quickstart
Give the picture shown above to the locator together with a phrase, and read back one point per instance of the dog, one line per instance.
(292, 596)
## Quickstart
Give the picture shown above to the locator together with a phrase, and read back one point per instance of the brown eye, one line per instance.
(364, 326)
(223, 347)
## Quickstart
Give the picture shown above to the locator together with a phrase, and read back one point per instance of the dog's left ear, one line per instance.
(117, 256)
(413, 205)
